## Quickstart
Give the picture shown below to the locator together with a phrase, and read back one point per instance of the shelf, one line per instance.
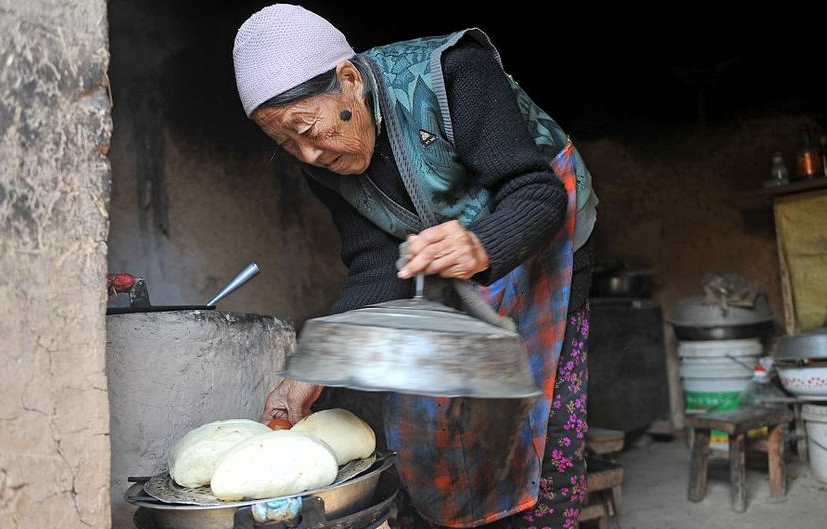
(762, 198)
(795, 187)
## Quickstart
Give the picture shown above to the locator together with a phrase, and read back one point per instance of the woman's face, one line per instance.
(313, 131)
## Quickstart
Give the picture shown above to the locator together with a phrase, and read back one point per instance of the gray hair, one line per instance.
(324, 83)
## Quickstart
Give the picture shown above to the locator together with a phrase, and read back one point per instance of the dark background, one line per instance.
(598, 72)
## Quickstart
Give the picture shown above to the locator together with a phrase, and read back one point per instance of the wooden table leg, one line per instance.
(605, 521)
(699, 464)
(617, 499)
(800, 433)
(778, 469)
(737, 456)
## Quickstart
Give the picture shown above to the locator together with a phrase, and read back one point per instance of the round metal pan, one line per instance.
(163, 488)
(341, 500)
(311, 516)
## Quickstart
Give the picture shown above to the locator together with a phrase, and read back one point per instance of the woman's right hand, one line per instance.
(290, 400)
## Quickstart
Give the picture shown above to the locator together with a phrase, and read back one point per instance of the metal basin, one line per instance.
(808, 382)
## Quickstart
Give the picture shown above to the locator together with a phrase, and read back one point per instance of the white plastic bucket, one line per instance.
(720, 348)
(714, 373)
(715, 369)
(714, 386)
(815, 418)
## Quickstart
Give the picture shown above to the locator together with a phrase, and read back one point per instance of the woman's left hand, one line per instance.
(290, 400)
(447, 249)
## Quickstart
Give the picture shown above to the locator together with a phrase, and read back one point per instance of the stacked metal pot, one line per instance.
(801, 360)
(719, 348)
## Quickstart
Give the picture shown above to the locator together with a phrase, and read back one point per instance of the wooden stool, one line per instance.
(736, 423)
(604, 442)
(607, 444)
(603, 476)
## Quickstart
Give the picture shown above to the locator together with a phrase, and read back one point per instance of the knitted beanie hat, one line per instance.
(280, 47)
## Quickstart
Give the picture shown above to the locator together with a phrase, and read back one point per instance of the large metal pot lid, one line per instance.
(413, 346)
(810, 344)
(693, 312)
(415, 315)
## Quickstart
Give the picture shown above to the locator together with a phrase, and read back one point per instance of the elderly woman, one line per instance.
(430, 141)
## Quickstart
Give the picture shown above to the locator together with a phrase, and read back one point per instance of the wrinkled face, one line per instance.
(313, 131)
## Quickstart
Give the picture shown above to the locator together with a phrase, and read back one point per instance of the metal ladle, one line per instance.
(249, 272)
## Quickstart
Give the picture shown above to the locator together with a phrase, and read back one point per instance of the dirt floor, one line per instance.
(654, 494)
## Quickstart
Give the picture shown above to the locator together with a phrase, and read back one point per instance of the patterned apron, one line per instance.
(446, 469)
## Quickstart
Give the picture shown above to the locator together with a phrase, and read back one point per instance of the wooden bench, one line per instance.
(736, 424)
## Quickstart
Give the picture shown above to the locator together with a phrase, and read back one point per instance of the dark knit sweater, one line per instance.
(492, 140)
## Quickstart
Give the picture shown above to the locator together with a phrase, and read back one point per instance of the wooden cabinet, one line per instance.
(801, 230)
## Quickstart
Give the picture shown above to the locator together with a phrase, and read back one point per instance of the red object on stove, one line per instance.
(279, 424)
(120, 282)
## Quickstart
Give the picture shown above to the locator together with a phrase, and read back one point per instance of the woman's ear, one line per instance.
(350, 79)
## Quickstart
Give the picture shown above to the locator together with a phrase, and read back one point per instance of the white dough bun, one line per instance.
(193, 458)
(349, 436)
(273, 464)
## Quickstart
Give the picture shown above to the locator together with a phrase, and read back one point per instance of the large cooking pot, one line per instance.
(801, 360)
(172, 371)
(693, 319)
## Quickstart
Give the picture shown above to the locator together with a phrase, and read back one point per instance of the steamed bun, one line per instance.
(193, 459)
(349, 436)
(276, 463)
